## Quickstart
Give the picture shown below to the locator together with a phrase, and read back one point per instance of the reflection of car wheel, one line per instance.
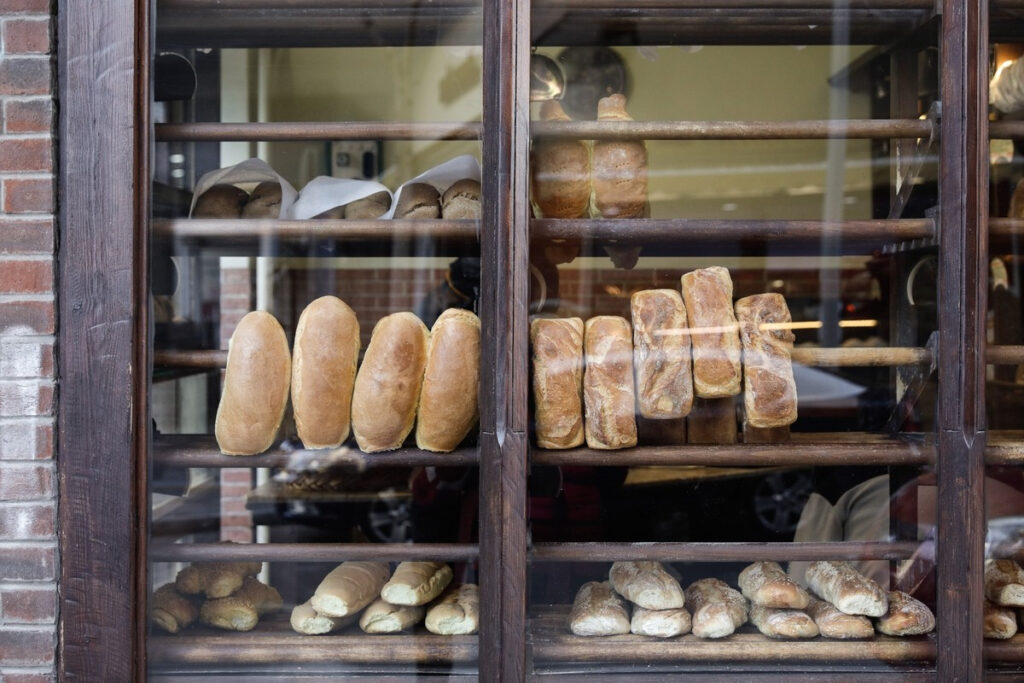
(390, 520)
(780, 498)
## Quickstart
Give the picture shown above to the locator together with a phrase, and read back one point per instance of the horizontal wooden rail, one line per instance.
(229, 231)
(734, 130)
(346, 130)
(1010, 650)
(355, 5)
(1004, 355)
(1005, 447)
(1004, 130)
(721, 552)
(310, 552)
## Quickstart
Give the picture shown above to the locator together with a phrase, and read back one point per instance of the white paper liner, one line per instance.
(442, 177)
(324, 193)
(246, 175)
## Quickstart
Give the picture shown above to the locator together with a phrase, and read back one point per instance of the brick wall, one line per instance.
(28, 545)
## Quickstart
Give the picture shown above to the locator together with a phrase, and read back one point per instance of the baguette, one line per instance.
(307, 620)
(230, 614)
(712, 421)
(383, 617)
(451, 379)
(608, 394)
(558, 381)
(349, 587)
(646, 584)
(715, 342)
(767, 585)
(662, 623)
(906, 616)
(416, 583)
(456, 613)
(171, 610)
(1004, 583)
(846, 588)
(1000, 622)
(769, 397)
(838, 625)
(782, 623)
(598, 611)
(717, 609)
(661, 353)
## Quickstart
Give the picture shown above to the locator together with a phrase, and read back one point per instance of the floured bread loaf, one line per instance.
(559, 171)
(838, 625)
(715, 341)
(557, 345)
(906, 616)
(307, 620)
(662, 623)
(451, 379)
(661, 354)
(717, 610)
(456, 613)
(646, 584)
(383, 617)
(416, 583)
(1004, 582)
(1000, 622)
(846, 588)
(598, 611)
(782, 623)
(769, 397)
(608, 394)
(766, 584)
(619, 167)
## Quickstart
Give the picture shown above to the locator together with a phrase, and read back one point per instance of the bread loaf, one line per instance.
(717, 609)
(451, 380)
(906, 616)
(368, 208)
(767, 585)
(619, 167)
(349, 587)
(230, 614)
(715, 340)
(646, 584)
(383, 617)
(387, 387)
(171, 610)
(264, 202)
(598, 611)
(559, 171)
(769, 396)
(264, 599)
(255, 393)
(418, 200)
(416, 583)
(461, 200)
(456, 613)
(712, 421)
(661, 354)
(835, 624)
(1004, 582)
(307, 620)
(558, 381)
(215, 579)
(662, 623)
(782, 623)
(608, 395)
(846, 588)
(1000, 622)
(324, 371)
(221, 201)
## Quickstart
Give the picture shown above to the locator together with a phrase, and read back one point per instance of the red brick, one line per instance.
(26, 277)
(27, 563)
(235, 287)
(26, 154)
(24, 76)
(26, 483)
(27, 36)
(28, 196)
(26, 235)
(29, 116)
(236, 520)
(30, 605)
(38, 6)
(27, 648)
(26, 440)
(26, 522)
(236, 475)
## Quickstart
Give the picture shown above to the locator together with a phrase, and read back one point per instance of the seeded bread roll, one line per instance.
(456, 613)
(230, 614)
(215, 579)
(349, 587)
(307, 620)
(715, 341)
(619, 167)
(608, 394)
(172, 611)
(416, 583)
(1000, 622)
(264, 202)
(782, 623)
(662, 623)
(264, 599)
(418, 200)
(906, 616)
(451, 380)
(383, 617)
(255, 393)
(558, 381)
(712, 420)
(1004, 582)
(221, 201)
(324, 371)
(661, 354)
(769, 397)
(462, 200)
(598, 611)
(387, 388)
(838, 625)
(559, 171)
(646, 584)
(767, 585)
(846, 588)
(368, 208)
(717, 609)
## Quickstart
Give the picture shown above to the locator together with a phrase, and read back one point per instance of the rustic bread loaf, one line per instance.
(171, 610)
(221, 201)
(349, 587)
(416, 583)
(264, 202)
(462, 200)
(608, 395)
(598, 611)
(646, 584)
(307, 620)
(662, 623)
(451, 379)
(767, 585)
(1000, 623)
(661, 354)
(557, 345)
(619, 167)
(717, 609)
(715, 340)
(264, 599)
(838, 625)
(1004, 582)
(456, 613)
(383, 617)
(559, 171)
(769, 397)
(782, 623)
(418, 200)
(215, 579)
(906, 616)
(367, 208)
(846, 588)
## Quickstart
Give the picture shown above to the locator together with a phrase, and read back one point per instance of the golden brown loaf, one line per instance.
(215, 579)
(451, 380)
(598, 611)
(717, 609)
(661, 354)
(906, 616)
(374, 206)
(307, 620)
(608, 395)
(1004, 582)
(559, 171)
(418, 200)
(557, 345)
(782, 623)
(456, 613)
(846, 588)
(712, 420)
(461, 200)
(255, 393)
(646, 584)
(766, 584)
(838, 625)
(769, 397)
(715, 341)
(221, 201)
(171, 610)
(416, 583)
(383, 617)
(349, 587)
(324, 371)
(662, 623)
(230, 614)
(263, 598)
(264, 202)
(619, 168)
(1000, 622)
(387, 388)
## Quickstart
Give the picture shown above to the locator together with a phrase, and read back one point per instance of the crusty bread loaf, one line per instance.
(717, 609)
(608, 395)
(846, 588)
(349, 587)
(558, 381)
(324, 371)
(1000, 622)
(221, 201)
(418, 200)
(416, 583)
(230, 614)
(451, 379)
(838, 625)
(456, 613)
(264, 202)
(387, 387)
(906, 616)
(782, 623)
(559, 171)
(769, 396)
(383, 617)
(767, 585)
(264, 599)
(646, 584)
(215, 579)
(307, 620)
(619, 167)
(461, 200)
(715, 341)
(368, 208)
(598, 611)
(662, 623)
(172, 611)
(712, 421)
(255, 393)
(661, 354)
(1004, 582)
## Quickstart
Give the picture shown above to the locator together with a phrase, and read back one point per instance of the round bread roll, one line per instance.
(221, 201)
(418, 200)
(265, 201)
(448, 399)
(462, 200)
(619, 168)
(374, 206)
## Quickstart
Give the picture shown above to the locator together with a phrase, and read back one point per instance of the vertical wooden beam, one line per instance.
(963, 192)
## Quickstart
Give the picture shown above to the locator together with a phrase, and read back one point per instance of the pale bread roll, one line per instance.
(1000, 623)
(712, 421)
(598, 611)
(715, 341)
(456, 613)
(383, 617)
(307, 620)
(462, 200)
(557, 345)
(349, 587)
(662, 623)
(559, 171)
(838, 625)
(619, 167)
(906, 616)
(324, 371)
(264, 202)
(416, 583)
(767, 585)
(1004, 582)
(230, 614)
(782, 623)
(255, 393)
(717, 610)
(387, 387)
(451, 380)
(661, 354)
(646, 584)
(769, 396)
(846, 588)
(221, 201)
(171, 610)
(609, 398)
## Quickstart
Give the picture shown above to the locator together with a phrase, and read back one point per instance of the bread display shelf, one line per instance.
(1004, 355)
(818, 129)
(722, 552)
(1009, 650)
(1005, 447)
(345, 130)
(311, 552)
(200, 450)
(1005, 130)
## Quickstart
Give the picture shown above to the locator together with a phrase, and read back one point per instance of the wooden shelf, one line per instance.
(1005, 447)
(821, 129)
(1009, 650)
(346, 130)
(1004, 355)
(722, 552)
(310, 552)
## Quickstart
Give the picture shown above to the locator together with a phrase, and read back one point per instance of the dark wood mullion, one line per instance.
(964, 208)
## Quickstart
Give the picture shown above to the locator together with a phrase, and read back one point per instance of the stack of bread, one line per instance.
(409, 375)
(224, 595)
(685, 356)
(776, 605)
(230, 201)
(1004, 591)
(422, 200)
(386, 603)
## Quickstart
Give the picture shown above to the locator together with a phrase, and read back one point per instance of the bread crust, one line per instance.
(383, 617)
(782, 623)
(305, 619)
(847, 589)
(349, 587)
(221, 201)
(661, 354)
(619, 168)
(608, 395)
(838, 625)
(1004, 583)
(559, 171)
(1000, 622)
(646, 584)
(707, 294)
(557, 346)
(665, 623)
(598, 611)
(418, 200)
(368, 208)
(767, 585)
(462, 200)
(457, 612)
(264, 202)
(769, 397)
(717, 609)
(416, 583)
(451, 381)
(906, 616)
